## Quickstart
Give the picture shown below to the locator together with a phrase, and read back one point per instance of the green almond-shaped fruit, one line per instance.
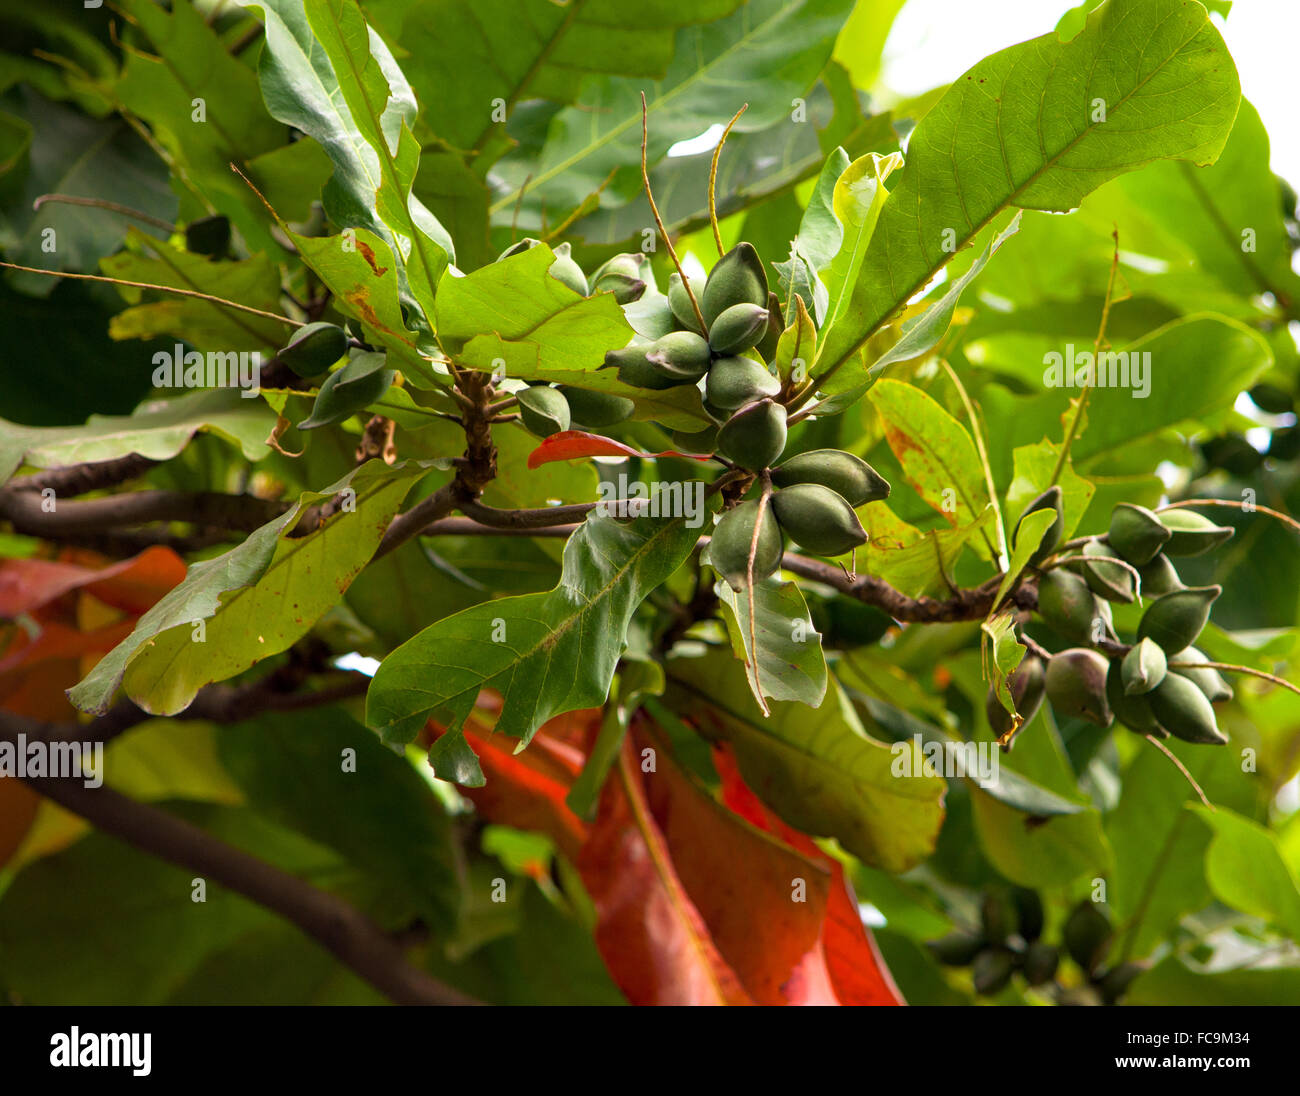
(1175, 620)
(1132, 711)
(1108, 580)
(1136, 533)
(997, 916)
(1143, 668)
(766, 346)
(754, 436)
(208, 236)
(650, 317)
(567, 272)
(991, 971)
(1159, 577)
(1086, 935)
(1040, 963)
(362, 380)
(680, 301)
(1076, 685)
(957, 949)
(1206, 678)
(628, 276)
(732, 538)
(1191, 534)
(1285, 444)
(696, 441)
(734, 382)
(737, 278)
(544, 411)
(1272, 400)
(1067, 605)
(683, 355)
(314, 348)
(1029, 911)
(526, 244)
(1027, 683)
(590, 408)
(634, 369)
(1186, 712)
(1048, 500)
(851, 476)
(738, 329)
(1117, 981)
(818, 519)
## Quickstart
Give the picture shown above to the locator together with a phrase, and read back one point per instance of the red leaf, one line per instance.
(653, 939)
(132, 585)
(853, 963)
(575, 444)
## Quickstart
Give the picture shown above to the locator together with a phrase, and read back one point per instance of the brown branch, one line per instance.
(348, 934)
(243, 513)
(80, 479)
(541, 518)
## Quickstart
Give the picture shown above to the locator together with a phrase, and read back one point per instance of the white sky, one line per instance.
(934, 41)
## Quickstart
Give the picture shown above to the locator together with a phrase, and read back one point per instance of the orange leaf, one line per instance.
(575, 444)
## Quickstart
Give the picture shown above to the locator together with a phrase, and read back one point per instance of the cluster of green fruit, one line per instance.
(1009, 942)
(1148, 685)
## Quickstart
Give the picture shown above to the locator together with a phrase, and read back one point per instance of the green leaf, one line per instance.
(546, 654)
(917, 335)
(467, 54)
(255, 600)
(911, 561)
(1245, 869)
(202, 324)
(936, 452)
(192, 67)
(324, 775)
(158, 430)
(1030, 536)
(1023, 129)
(766, 54)
(513, 317)
(326, 73)
(857, 198)
(791, 665)
(817, 243)
(1000, 631)
(1173, 981)
(1034, 465)
(823, 775)
(1054, 852)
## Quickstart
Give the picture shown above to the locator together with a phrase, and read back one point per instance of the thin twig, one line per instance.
(1248, 507)
(100, 203)
(1181, 767)
(713, 177)
(1233, 667)
(663, 232)
(1004, 556)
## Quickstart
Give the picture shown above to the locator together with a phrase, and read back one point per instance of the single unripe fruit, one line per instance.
(767, 344)
(1159, 577)
(544, 411)
(1206, 678)
(1136, 533)
(596, 408)
(680, 301)
(1272, 400)
(627, 276)
(738, 329)
(1067, 605)
(1175, 620)
(1285, 444)
(314, 348)
(568, 272)
(650, 317)
(1029, 911)
(734, 382)
(957, 949)
(732, 538)
(696, 441)
(1133, 711)
(634, 369)
(1108, 580)
(997, 917)
(1076, 685)
(1041, 961)
(754, 436)
(1117, 981)
(681, 355)
(526, 244)
(991, 971)
(1048, 500)
(1143, 668)
(818, 519)
(1086, 935)
(1183, 710)
(1027, 683)
(851, 476)
(737, 278)
(208, 236)
(1190, 534)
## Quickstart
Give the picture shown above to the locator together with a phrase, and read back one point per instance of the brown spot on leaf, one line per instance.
(368, 253)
